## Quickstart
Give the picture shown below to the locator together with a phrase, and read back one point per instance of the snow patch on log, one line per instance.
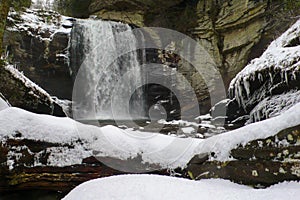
(112, 142)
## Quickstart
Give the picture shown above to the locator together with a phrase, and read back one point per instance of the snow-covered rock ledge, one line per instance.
(42, 151)
(269, 85)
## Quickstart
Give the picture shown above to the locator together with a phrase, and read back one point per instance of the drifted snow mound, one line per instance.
(270, 84)
(160, 187)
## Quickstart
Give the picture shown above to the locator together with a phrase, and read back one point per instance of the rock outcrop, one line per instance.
(259, 163)
(42, 152)
(37, 44)
(227, 29)
(269, 85)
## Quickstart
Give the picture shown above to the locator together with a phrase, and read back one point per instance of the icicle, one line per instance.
(266, 111)
(260, 77)
(271, 77)
(241, 96)
(247, 86)
(252, 77)
(237, 93)
(258, 116)
(294, 75)
(282, 76)
(286, 77)
(43, 4)
(254, 116)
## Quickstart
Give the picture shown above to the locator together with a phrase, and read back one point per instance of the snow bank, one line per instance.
(160, 187)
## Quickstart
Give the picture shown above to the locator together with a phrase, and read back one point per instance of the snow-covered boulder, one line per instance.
(270, 84)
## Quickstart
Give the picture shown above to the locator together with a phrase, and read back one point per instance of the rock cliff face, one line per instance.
(228, 30)
(232, 31)
(36, 43)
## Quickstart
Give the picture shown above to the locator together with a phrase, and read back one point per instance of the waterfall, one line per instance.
(42, 4)
(93, 44)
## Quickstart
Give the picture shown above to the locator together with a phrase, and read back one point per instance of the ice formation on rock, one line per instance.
(271, 80)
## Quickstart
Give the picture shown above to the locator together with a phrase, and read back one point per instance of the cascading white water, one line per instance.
(92, 43)
(43, 4)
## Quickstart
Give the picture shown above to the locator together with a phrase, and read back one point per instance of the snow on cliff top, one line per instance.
(283, 52)
(167, 151)
(39, 23)
(161, 187)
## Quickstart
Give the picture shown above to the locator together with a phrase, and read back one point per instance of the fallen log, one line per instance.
(19, 171)
(22, 93)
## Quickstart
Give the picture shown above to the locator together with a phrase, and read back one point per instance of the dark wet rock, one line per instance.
(199, 159)
(254, 173)
(219, 120)
(259, 163)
